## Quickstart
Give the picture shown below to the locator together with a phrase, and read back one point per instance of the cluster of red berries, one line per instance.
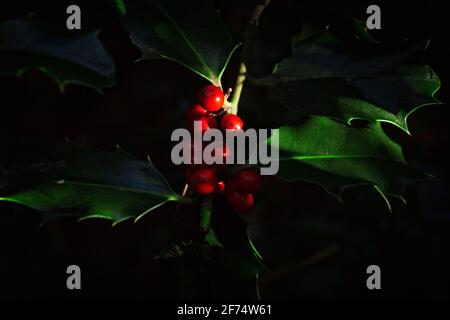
(204, 179)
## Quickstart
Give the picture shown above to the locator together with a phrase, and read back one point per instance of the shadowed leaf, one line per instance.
(66, 58)
(324, 77)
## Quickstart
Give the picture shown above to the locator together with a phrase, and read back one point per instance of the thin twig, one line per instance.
(185, 190)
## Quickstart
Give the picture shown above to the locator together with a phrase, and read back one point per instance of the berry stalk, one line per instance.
(238, 88)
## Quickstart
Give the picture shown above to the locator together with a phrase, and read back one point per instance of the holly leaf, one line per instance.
(188, 32)
(324, 77)
(91, 183)
(65, 57)
(337, 156)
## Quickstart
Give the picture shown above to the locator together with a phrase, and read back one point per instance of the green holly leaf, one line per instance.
(64, 56)
(91, 183)
(337, 156)
(324, 77)
(188, 32)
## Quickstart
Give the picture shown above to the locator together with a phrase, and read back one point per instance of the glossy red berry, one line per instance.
(196, 111)
(231, 122)
(203, 181)
(221, 186)
(211, 98)
(246, 181)
(240, 202)
(206, 122)
(191, 168)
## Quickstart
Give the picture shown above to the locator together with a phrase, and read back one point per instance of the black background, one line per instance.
(411, 244)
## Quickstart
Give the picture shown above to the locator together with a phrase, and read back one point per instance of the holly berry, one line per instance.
(203, 181)
(203, 178)
(211, 98)
(221, 186)
(240, 202)
(191, 168)
(246, 181)
(207, 122)
(231, 122)
(196, 111)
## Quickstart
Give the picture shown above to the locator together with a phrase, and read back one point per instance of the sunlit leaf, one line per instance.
(93, 183)
(338, 156)
(188, 32)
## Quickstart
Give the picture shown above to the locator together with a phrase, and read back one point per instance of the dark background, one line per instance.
(293, 220)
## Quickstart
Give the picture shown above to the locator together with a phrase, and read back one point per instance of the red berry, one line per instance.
(246, 181)
(225, 152)
(195, 160)
(203, 181)
(191, 168)
(198, 113)
(231, 122)
(211, 98)
(221, 186)
(195, 112)
(207, 122)
(240, 202)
